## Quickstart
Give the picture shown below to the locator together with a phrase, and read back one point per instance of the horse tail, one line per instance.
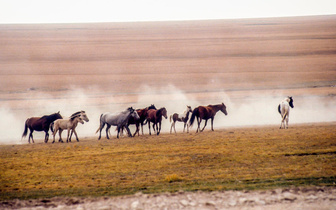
(193, 115)
(25, 129)
(170, 118)
(145, 121)
(52, 127)
(100, 123)
(279, 109)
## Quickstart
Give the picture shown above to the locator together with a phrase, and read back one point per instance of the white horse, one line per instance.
(180, 118)
(117, 119)
(283, 109)
(70, 124)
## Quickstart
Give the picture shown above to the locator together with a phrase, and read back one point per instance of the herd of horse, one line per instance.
(138, 117)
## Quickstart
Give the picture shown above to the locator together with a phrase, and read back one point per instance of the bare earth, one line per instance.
(249, 64)
(290, 198)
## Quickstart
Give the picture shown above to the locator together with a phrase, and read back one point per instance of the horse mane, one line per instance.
(158, 112)
(291, 101)
(74, 115)
(48, 117)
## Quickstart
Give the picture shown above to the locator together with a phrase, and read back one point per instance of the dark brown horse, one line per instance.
(142, 114)
(155, 116)
(205, 113)
(40, 124)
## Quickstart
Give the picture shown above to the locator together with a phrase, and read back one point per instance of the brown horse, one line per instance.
(155, 116)
(40, 124)
(142, 114)
(205, 113)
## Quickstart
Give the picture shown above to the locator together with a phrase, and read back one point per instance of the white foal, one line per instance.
(70, 124)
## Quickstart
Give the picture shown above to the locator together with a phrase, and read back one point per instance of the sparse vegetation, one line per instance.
(235, 158)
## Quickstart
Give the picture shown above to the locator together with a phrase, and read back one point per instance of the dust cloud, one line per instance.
(247, 111)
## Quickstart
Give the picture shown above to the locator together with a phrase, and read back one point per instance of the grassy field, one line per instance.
(233, 158)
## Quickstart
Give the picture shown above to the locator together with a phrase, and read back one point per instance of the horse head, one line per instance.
(84, 116)
(189, 109)
(134, 113)
(223, 109)
(80, 119)
(163, 112)
(291, 101)
(57, 115)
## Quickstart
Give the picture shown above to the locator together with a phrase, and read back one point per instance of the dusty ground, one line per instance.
(289, 198)
(138, 63)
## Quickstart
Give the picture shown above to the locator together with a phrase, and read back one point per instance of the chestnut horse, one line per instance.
(142, 114)
(40, 124)
(155, 116)
(206, 113)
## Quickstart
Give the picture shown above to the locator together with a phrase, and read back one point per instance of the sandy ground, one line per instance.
(249, 64)
(290, 198)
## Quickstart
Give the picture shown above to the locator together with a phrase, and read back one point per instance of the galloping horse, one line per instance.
(155, 116)
(118, 119)
(206, 113)
(142, 114)
(40, 124)
(180, 118)
(70, 124)
(283, 109)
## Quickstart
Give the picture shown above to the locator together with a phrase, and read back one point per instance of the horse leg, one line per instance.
(30, 136)
(186, 124)
(46, 138)
(60, 135)
(100, 130)
(128, 131)
(212, 124)
(137, 129)
(54, 134)
(171, 127)
(287, 119)
(174, 126)
(118, 129)
(158, 129)
(198, 124)
(206, 121)
(154, 126)
(107, 128)
(283, 121)
(74, 131)
(70, 135)
(149, 128)
(141, 129)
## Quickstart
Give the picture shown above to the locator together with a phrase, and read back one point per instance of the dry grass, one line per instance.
(235, 158)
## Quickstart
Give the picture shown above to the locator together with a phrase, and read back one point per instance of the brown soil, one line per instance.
(289, 198)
